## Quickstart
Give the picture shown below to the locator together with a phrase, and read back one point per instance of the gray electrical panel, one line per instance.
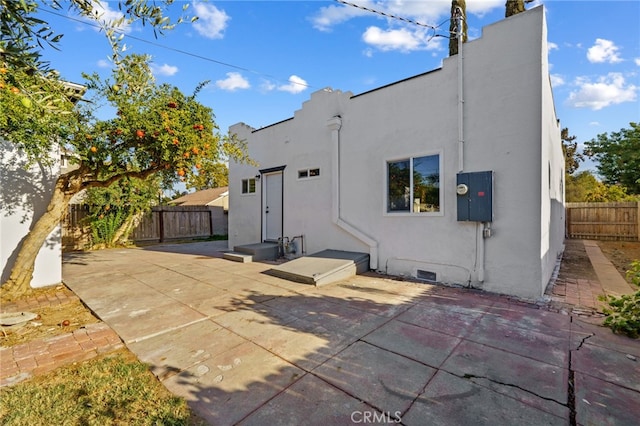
(475, 196)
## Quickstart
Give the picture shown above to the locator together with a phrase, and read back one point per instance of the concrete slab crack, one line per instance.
(584, 339)
(511, 385)
(571, 394)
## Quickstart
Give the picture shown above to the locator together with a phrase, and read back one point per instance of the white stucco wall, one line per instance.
(25, 193)
(552, 200)
(510, 129)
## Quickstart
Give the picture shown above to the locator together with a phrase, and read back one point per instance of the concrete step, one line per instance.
(260, 251)
(325, 267)
(238, 257)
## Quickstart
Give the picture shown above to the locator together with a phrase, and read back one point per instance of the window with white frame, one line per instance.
(413, 185)
(249, 186)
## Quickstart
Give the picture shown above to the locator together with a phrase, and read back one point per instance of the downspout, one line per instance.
(334, 124)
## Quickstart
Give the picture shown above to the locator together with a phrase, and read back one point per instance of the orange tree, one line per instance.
(155, 130)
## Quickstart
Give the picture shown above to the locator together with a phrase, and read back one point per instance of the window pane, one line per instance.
(302, 174)
(245, 187)
(399, 186)
(314, 172)
(426, 184)
(252, 186)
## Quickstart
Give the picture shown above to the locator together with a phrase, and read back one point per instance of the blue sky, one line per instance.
(264, 58)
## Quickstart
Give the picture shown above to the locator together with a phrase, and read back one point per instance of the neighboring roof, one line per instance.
(201, 198)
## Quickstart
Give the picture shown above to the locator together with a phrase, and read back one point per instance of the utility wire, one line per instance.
(389, 15)
(183, 52)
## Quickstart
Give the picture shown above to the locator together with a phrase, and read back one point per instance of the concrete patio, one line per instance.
(245, 347)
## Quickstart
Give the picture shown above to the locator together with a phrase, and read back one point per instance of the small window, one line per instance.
(249, 186)
(308, 173)
(413, 185)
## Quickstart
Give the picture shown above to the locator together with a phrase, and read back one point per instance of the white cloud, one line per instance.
(399, 39)
(425, 12)
(603, 51)
(233, 82)
(332, 15)
(552, 46)
(103, 63)
(607, 90)
(212, 22)
(164, 69)
(637, 61)
(557, 80)
(480, 8)
(295, 85)
(396, 34)
(267, 86)
(594, 123)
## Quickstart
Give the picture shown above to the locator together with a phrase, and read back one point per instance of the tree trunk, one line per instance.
(19, 282)
(122, 234)
(513, 7)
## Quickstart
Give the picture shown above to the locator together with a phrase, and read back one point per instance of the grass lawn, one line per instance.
(114, 389)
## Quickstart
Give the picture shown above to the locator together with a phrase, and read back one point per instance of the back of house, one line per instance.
(451, 177)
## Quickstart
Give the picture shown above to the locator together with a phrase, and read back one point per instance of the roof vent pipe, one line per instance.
(334, 124)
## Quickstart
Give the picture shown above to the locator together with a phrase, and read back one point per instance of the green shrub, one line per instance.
(104, 227)
(634, 273)
(623, 313)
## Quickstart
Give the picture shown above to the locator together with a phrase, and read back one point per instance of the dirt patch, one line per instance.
(621, 254)
(51, 320)
(575, 262)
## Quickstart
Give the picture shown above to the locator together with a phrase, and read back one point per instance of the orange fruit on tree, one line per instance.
(94, 149)
(181, 172)
(140, 133)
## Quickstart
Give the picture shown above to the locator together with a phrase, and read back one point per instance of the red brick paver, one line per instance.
(20, 362)
(64, 295)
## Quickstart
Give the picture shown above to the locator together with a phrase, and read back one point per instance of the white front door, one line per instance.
(272, 214)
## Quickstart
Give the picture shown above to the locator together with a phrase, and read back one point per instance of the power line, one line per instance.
(389, 15)
(183, 52)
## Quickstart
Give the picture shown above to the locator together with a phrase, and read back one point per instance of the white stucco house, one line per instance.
(451, 176)
(24, 195)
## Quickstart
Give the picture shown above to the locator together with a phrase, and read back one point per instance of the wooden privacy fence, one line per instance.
(161, 224)
(604, 221)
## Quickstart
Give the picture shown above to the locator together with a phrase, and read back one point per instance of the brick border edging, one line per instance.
(21, 362)
(64, 295)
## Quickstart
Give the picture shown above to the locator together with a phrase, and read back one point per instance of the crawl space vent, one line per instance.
(426, 275)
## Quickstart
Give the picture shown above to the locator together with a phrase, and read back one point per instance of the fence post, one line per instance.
(638, 218)
(161, 224)
(211, 229)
